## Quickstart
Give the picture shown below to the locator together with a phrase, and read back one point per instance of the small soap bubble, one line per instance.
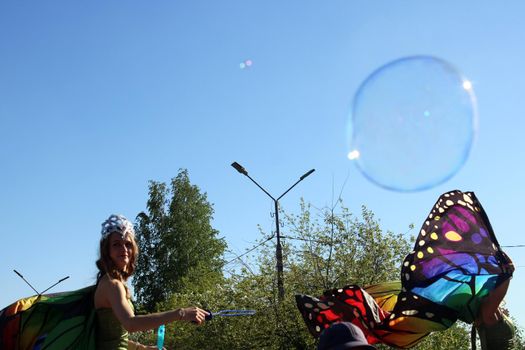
(246, 64)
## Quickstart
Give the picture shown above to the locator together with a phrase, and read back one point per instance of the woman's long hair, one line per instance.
(106, 265)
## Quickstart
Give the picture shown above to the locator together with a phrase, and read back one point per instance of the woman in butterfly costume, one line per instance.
(456, 270)
(96, 317)
(115, 314)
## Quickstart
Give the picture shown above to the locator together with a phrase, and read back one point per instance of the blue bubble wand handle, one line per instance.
(160, 337)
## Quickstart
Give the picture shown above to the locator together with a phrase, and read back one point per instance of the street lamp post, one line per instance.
(278, 249)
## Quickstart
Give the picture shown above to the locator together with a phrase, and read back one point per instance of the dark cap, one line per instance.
(343, 336)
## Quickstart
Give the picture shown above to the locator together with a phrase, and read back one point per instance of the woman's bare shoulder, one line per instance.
(108, 283)
(106, 288)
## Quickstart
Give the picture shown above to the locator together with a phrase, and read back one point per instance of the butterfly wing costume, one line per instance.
(54, 321)
(456, 262)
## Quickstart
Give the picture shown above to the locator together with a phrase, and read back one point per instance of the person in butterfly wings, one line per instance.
(456, 270)
(114, 311)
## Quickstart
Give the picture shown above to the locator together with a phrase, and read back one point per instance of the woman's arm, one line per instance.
(116, 296)
(489, 313)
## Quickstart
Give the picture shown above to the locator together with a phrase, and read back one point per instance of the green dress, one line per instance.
(111, 335)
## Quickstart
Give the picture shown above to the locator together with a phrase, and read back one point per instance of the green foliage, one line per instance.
(274, 326)
(519, 338)
(332, 249)
(322, 251)
(179, 249)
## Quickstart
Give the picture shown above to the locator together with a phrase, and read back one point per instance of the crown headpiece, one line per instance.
(117, 223)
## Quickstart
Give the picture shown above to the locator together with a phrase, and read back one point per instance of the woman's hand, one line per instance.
(193, 314)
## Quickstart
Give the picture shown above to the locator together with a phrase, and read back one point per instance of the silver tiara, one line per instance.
(117, 223)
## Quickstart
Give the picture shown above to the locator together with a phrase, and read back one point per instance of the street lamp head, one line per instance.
(239, 168)
(307, 174)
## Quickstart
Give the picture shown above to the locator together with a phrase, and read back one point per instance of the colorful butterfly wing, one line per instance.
(385, 294)
(456, 260)
(455, 263)
(350, 303)
(55, 321)
(10, 322)
(371, 309)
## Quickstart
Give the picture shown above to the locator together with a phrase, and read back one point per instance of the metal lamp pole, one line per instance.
(278, 249)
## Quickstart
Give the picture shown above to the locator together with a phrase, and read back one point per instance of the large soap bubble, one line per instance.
(412, 124)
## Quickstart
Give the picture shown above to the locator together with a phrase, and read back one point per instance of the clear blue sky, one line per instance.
(97, 98)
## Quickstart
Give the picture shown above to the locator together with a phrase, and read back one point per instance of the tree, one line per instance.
(335, 249)
(179, 249)
(456, 337)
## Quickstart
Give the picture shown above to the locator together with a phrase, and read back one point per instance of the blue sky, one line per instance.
(98, 98)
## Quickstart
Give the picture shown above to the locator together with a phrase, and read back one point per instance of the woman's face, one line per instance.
(120, 250)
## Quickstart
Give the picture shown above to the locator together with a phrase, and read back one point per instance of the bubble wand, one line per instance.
(211, 315)
(229, 313)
